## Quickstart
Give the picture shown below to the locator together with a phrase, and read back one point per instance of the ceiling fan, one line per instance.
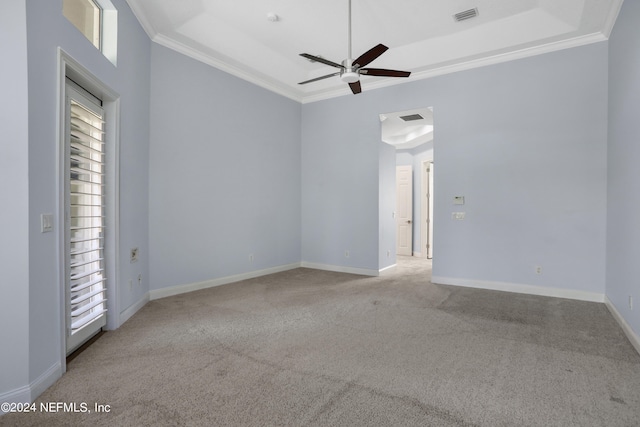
(350, 69)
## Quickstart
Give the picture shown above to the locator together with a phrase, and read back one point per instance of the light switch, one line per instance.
(46, 223)
(457, 216)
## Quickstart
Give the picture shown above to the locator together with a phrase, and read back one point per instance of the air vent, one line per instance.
(467, 14)
(412, 117)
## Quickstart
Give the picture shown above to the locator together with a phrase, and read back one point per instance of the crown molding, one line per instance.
(283, 90)
(141, 17)
(468, 65)
(614, 11)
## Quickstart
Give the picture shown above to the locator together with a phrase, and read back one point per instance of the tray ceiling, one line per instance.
(241, 36)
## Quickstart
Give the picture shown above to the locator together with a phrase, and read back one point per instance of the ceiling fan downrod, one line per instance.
(349, 74)
(349, 51)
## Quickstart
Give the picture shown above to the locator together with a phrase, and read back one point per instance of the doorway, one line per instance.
(411, 133)
(87, 211)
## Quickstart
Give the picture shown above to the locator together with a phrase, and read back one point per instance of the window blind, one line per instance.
(86, 281)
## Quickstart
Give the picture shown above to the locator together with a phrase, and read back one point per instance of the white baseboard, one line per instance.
(190, 287)
(30, 392)
(417, 254)
(520, 288)
(340, 269)
(387, 270)
(46, 380)
(18, 395)
(133, 309)
(628, 331)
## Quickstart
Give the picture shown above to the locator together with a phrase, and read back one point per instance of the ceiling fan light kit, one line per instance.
(348, 73)
(351, 70)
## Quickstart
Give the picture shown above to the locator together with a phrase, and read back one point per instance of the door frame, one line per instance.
(426, 209)
(70, 68)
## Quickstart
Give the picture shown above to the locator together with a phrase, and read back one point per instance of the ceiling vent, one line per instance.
(412, 117)
(464, 15)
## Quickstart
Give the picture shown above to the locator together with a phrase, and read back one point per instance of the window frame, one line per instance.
(107, 28)
(96, 35)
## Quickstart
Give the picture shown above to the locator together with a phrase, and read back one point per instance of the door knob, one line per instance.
(408, 221)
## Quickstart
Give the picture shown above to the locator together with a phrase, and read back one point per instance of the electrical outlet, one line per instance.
(346, 254)
(538, 269)
(459, 216)
(139, 279)
(630, 302)
(133, 257)
(388, 254)
(251, 258)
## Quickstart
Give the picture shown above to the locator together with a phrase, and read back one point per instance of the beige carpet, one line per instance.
(314, 348)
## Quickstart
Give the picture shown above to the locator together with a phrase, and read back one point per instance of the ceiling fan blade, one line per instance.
(355, 87)
(384, 73)
(370, 55)
(318, 59)
(320, 78)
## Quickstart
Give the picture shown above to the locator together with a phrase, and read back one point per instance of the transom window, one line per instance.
(97, 20)
(86, 15)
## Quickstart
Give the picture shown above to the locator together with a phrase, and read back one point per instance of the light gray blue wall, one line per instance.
(14, 199)
(524, 142)
(225, 174)
(387, 198)
(623, 222)
(46, 30)
(340, 179)
(404, 158)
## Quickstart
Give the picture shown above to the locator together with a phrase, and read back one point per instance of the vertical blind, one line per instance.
(86, 293)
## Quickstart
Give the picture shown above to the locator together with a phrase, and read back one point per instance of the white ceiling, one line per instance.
(236, 36)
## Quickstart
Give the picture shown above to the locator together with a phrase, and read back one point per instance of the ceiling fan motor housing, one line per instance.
(349, 74)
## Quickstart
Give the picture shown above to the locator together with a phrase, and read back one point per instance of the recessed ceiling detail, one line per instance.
(407, 129)
(234, 36)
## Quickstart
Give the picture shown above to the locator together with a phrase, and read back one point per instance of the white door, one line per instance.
(404, 210)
